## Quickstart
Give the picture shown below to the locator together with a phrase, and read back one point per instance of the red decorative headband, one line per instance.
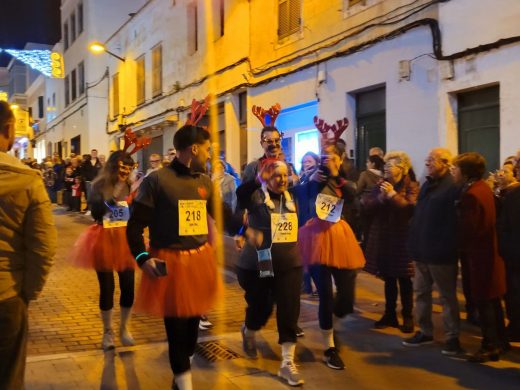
(262, 114)
(197, 111)
(324, 128)
(133, 143)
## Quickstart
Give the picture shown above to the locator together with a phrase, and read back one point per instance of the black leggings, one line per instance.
(343, 303)
(107, 287)
(262, 293)
(182, 339)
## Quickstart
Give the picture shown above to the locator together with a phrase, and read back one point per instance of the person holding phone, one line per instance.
(391, 204)
(103, 246)
(180, 281)
(327, 244)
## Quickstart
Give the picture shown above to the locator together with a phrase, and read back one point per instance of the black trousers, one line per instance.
(492, 324)
(13, 343)
(343, 303)
(406, 291)
(182, 336)
(262, 293)
(513, 296)
(471, 307)
(107, 287)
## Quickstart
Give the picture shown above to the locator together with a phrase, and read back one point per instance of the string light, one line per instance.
(39, 60)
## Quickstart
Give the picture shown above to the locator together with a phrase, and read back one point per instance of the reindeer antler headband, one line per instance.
(262, 114)
(325, 129)
(197, 111)
(134, 143)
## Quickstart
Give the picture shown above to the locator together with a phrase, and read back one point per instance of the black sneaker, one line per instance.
(452, 348)
(417, 340)
(248, 343)
(386, 321)
(299, 332)
(332, 359)
(407, 325)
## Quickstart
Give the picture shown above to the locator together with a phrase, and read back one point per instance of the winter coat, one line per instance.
(27, 232)
(478, 242)
(508, 227)
(433, 230)
(386, 249)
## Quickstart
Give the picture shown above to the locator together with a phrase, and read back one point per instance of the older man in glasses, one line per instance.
(271, 141)
(154, 162)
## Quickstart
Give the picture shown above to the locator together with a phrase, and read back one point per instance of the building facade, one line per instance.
(409, 75)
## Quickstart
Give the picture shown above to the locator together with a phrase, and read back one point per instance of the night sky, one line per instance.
(23, 21)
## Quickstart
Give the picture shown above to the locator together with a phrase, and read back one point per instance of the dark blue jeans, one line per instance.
(13, 342)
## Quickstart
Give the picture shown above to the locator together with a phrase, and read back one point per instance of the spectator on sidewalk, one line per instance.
(154, 163)
(76, 194)
(433, 246)
(49, 178)
(477, 241)
(27, 248)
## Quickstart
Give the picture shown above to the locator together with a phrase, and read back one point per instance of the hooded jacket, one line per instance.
(27, 231)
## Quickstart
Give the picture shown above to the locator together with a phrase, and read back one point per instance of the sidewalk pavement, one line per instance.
(374, 360)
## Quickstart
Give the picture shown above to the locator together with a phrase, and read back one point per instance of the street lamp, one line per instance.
(97, 48)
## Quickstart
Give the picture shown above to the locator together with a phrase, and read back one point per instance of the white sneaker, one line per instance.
(289, 373)
(205, 323)
(126, 337)
(108, 340)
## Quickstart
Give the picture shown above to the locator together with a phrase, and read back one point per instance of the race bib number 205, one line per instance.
(118, 216)
(193, 219)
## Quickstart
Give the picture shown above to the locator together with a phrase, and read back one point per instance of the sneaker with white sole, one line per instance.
(205, 323)
(332, 359)
(108, 340)
(418, 339)
(452, 348)
(290, 374)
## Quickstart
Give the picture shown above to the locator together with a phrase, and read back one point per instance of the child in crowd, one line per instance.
(76, 194)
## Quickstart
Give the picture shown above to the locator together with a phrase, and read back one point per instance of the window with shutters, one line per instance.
(81, 78)
(67, 96)
(193, 39)
(66, 35)
(289, 17)
(73, 84)
(80, 18)
(72, 27)
(140, 80)
(115, 94)
(156, 70)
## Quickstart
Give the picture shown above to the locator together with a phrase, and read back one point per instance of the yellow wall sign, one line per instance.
(57, 66)
(3, 96)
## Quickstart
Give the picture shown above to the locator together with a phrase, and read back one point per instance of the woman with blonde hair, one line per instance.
(390, 205)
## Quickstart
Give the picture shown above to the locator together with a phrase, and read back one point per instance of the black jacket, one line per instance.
(433, 237)
(508, 227)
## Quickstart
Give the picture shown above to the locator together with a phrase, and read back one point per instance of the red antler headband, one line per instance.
(197, 111)
(337, 129)
(133, 143)
(262, 114)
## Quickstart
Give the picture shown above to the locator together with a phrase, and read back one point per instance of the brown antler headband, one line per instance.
(132, 139)
(337, 129)
(262, 114)
(197, 111)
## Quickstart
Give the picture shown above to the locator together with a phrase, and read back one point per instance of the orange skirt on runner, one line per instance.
(190, 288)
(103, 249)
(330, 244)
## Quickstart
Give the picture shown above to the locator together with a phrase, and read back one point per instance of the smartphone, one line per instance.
(161, 267)
(324, 169)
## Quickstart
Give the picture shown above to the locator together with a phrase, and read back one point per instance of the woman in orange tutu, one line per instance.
(103, 246)
(327, 244)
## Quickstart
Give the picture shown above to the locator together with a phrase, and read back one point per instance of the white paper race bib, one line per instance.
(193, 219)
(284, 227)
(329, 208)
(117, 216)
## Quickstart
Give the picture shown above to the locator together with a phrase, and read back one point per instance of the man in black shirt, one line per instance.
(180, 279)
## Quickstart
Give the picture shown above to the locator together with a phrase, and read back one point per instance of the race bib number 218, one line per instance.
(193, 219)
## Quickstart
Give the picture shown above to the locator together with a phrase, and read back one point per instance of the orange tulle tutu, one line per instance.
(330, 244)
(103, 249)
(190, 288)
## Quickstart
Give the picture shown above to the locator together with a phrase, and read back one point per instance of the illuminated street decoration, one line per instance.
(3, 96)
(47, 62)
